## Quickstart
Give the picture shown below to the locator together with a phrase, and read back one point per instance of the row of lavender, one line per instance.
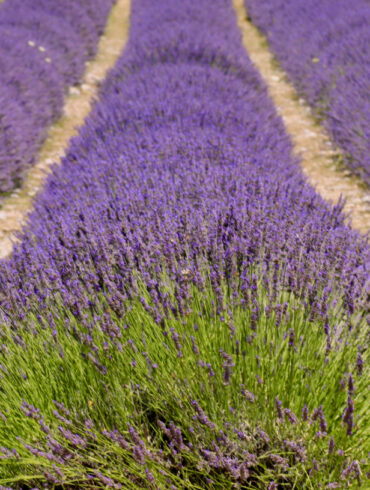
(325, 49)
(43, 49)
(145, 157)
(182, 175)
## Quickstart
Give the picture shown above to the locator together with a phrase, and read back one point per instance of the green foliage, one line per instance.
(148, 371)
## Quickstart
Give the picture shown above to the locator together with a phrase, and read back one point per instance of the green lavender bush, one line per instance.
(230, 389)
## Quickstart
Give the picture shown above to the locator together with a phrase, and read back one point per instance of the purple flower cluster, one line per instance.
(324, 46)
(44, 45)
(215, 452)
(183, 162)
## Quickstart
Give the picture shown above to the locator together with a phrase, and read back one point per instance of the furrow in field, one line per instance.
(311, 143)
(78, 103)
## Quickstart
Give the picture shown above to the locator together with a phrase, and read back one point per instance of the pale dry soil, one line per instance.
(78, 104)
(318, 156)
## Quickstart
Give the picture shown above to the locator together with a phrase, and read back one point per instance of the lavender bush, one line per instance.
(183, 311)
(43, 49)
(325, 49)
(214, 397)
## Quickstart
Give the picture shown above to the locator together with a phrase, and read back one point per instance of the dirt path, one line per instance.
(311, 143)
(78, 103)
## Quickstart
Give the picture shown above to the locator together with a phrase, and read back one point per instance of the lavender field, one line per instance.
(182, 310)
(324, 46)
(44, 45)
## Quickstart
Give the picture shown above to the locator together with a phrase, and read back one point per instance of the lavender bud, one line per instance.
(348, 416)
(331, 447)
(139, 455)
(248, 395)
(279, 409)
(359, 364)
(351, 388)
(291, 416)
(305, 413)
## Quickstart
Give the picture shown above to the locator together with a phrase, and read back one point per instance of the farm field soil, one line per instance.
(14, 209)
(313, 147)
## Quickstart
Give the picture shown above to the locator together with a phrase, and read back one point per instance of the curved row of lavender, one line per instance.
(182, 169)
(325, 49)
(44, 45)
(184, 143)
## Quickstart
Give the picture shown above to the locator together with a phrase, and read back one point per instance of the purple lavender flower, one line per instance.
(300, 452)
(139, 454)
(348, 415)
(248, 395)
(359, 364)
(279, 408)
(201, 415)
(74, 439)
(194, 346)
(305, 413)
(227, 365)
(351, 388)
(293, 419)
(108, 482)
(353, 467)
(279, 460)
(149, 475)
(262, 434)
